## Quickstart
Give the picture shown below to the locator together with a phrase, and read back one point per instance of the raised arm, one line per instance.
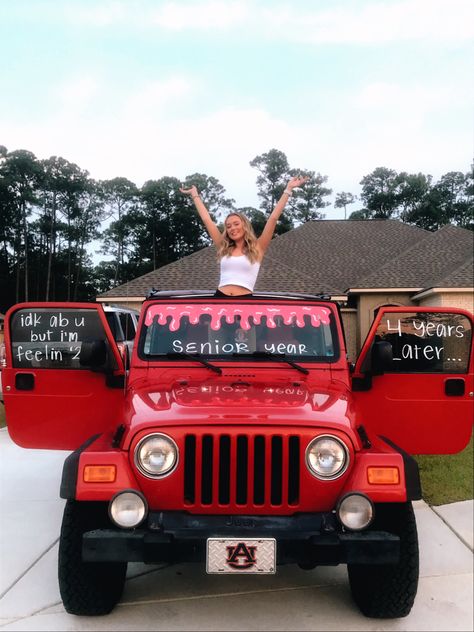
(207, 220)
(267, 233)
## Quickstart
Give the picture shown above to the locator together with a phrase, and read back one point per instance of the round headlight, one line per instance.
(127, 509)
(327, 457)
(156, 455)
(355, 511)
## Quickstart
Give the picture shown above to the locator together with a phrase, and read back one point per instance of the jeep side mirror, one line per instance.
(382, 357)
(93, 354)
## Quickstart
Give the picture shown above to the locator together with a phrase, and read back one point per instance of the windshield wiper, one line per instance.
(281, 357)
(195, 357)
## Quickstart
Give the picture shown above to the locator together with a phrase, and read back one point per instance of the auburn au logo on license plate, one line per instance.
(226, 555)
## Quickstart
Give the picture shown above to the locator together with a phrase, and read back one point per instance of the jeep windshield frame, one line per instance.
(236, 331)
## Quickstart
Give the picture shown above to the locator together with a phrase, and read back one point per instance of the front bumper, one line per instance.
(306, 539)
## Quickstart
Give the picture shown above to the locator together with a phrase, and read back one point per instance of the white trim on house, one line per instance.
(362, 290)
(437, 290)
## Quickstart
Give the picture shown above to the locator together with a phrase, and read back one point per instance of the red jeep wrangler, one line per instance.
(239, 435)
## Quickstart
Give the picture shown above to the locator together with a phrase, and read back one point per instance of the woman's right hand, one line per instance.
(191, 191)
(207, 220)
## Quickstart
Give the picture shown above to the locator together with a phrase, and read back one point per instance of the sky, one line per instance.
(147, 88)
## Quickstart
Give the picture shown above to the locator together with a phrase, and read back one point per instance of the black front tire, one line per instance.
(388, 591)
(87, 588)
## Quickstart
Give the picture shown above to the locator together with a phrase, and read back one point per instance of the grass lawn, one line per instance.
(444, 479)
(448, 478)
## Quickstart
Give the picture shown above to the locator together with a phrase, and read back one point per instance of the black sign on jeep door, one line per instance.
(50, 338)
(427, 342)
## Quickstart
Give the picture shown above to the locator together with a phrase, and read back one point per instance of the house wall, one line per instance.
(462, 300)
(349, 319)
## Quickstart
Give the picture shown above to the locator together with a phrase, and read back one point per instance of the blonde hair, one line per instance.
(250, 240)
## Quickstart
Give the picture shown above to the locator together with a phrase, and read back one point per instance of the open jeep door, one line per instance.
(413, 380)
(64, 376)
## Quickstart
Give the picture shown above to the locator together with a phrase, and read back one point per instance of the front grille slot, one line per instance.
(189, 469)
(277, 464)
(206, 470)
(293, 466)
(224, 470)
(259, 471)
(243, 470)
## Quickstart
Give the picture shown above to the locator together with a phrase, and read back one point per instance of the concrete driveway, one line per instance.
(183, 597)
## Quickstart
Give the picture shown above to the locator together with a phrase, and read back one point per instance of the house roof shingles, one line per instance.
(338, 253)
(463, 276)
(425, 264)
(330, 256)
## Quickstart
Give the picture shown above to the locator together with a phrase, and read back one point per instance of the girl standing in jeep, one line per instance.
(240, 252)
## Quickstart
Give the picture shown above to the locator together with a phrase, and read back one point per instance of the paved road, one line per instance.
(183, 597)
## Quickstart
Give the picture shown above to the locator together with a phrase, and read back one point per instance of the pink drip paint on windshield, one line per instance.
(290, 314)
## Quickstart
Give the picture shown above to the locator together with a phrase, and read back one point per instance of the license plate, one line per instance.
(232, 555)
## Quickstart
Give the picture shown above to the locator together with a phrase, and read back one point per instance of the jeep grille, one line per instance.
(244, 470)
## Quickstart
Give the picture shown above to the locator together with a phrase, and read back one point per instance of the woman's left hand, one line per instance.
(297, 181)
(192, 191)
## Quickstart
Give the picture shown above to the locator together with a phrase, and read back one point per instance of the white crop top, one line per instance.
(239, 271)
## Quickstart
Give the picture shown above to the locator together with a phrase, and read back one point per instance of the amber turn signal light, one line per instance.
(383, 475)
(99, 473)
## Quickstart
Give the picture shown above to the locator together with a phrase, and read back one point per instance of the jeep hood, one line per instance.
(212, 402)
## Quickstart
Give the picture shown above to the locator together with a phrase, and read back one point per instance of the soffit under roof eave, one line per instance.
(372, 290)
(338, 297)
(117, 297)
(437, 290)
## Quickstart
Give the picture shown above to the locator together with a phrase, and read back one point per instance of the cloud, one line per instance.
(365, 23)
(77, 93)
(376, 22)
(153, 96)
(204, 15)
(175, 16)
(385, 96)
(142, 137)
(102, 14)
(147, 135)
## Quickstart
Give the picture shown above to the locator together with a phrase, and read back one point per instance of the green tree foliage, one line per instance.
(69, 213)
(87, 229)
(48, 218)
(412, 190)
(20, 174)
(415, 200)
(343, 199)
(379, 193)
(212, 193)
(120, 197)
(362, 213)
(51, 212)
(456, 199)
(274, 173)
(306, 201)
(170, 227)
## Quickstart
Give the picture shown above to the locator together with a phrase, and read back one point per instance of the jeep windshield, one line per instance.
(245, 330)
